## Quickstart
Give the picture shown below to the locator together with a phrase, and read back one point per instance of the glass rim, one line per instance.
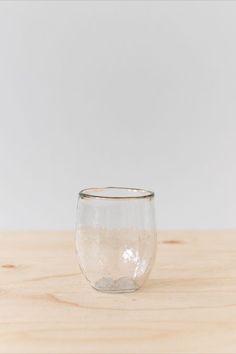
(88, 193)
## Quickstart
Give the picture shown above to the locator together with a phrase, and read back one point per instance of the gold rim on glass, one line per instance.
(94, 193)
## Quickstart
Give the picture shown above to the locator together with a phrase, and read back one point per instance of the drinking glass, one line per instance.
(116, 237)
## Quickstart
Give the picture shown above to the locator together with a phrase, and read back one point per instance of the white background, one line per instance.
(127, 93)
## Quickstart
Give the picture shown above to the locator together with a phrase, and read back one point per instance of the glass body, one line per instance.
(116, 237)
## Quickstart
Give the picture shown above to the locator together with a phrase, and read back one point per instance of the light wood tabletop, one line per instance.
(187, 306)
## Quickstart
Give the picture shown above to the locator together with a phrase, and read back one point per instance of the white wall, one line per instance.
(117, 93)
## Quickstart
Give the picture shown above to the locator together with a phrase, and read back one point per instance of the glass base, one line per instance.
(120, 285)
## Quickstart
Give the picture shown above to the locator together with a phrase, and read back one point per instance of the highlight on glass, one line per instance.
(116, 237)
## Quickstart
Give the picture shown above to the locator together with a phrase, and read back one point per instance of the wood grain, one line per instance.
(187, 306)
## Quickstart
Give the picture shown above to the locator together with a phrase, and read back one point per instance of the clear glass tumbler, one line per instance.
(116, 237)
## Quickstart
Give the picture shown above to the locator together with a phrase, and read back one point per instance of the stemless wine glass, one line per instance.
(116, 237)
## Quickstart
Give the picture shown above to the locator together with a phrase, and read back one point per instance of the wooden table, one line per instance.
(187, 306)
